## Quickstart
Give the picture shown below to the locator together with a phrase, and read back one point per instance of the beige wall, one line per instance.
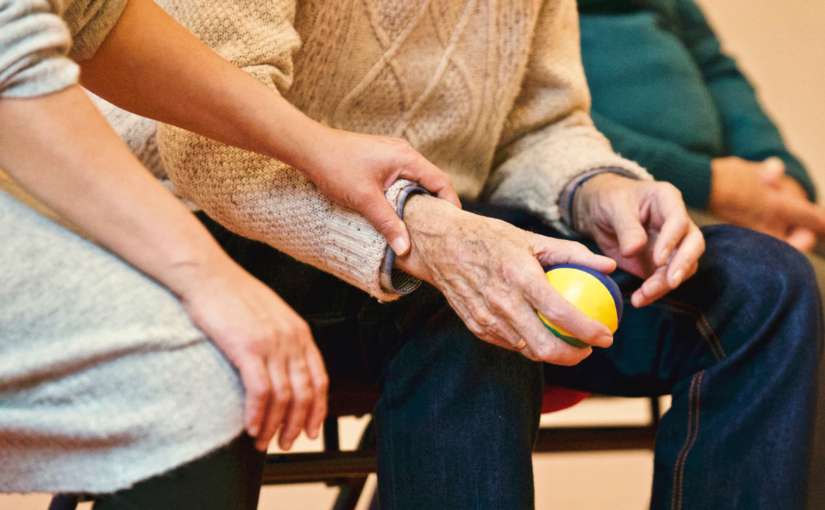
(781, 46)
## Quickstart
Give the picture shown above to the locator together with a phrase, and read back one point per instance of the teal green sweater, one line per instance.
(666, 95)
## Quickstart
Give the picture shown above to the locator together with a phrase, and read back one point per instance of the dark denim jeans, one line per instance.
(736, 346)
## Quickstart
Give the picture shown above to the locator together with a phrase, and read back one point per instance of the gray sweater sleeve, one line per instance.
(36, 43)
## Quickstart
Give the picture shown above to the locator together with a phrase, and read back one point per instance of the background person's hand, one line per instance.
(491, 273)
(644, 227)
(270, 345)
(759, 196)
(355, 170)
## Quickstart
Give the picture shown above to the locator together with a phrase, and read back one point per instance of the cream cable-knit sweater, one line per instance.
(491, 91)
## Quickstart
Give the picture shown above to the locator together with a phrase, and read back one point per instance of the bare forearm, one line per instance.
(150, 65)
(61, 150)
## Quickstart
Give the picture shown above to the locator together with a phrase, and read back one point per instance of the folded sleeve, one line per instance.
(549, 138)
(34, 48)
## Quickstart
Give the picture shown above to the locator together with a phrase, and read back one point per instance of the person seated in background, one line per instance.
(494, 94)
(667, 96)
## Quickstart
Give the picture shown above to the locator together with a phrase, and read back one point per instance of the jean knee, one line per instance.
(762, 282)
(446, 365)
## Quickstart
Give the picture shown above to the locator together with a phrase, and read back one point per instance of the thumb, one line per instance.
(383, 217)
(802, 239)
(772, 171)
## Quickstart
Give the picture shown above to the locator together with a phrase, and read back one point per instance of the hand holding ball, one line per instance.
(592, 292)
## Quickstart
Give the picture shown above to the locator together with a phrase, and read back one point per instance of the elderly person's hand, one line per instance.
(759, 196)
(491, 273)
(644, 227)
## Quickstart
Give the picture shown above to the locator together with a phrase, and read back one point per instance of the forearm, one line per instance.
(150, 65)
(266, 200)
(60, 149)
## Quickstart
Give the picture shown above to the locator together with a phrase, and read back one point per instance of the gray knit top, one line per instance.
(104, 381)
(40, 40)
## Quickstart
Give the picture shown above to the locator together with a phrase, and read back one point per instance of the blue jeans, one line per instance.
(736, 346)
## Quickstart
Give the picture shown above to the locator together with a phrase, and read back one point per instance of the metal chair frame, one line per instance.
(349, 469)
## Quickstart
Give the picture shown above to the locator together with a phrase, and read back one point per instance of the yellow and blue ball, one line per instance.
(592, 292)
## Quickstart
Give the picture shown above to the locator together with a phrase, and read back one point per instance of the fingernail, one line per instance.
(677, 277)
(663, 257)
(254, 430)
(400, 245)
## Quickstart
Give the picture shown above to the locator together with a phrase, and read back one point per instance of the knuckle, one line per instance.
(322, 384)
(546, 352)
(571, 358)
(283, 397)
(485, 319)
(302, 396)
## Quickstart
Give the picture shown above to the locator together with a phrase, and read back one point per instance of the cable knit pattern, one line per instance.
(491, 91)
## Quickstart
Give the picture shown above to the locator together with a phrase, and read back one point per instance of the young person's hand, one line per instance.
(59, 148)
(759, 196)
(355, 170)
(270, 345)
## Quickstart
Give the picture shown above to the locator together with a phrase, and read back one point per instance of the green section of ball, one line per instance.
(575, 342)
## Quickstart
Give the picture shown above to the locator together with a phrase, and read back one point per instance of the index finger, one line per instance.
(432, 179)
(686, 255)
(566, 318)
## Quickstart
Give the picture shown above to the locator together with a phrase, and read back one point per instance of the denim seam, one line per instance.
(702, 324)
(690, 440)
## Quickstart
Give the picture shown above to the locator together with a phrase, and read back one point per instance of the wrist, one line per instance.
(429, 220)
(581, 217)
(719, 190)
(296, 139)
(195, 271)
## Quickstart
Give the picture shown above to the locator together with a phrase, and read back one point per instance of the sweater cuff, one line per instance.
(796, 171)
(393, 279)
(568, 194)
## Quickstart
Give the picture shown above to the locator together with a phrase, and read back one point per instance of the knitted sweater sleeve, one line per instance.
(549, 138)
(252, 195)
(749, 132)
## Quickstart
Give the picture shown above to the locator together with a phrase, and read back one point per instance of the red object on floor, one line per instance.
(557, 398)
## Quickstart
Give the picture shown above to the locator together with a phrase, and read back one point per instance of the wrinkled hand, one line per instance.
(759, 196)
(491, 273)
(272, 348)
(644, 226)
(355, 170)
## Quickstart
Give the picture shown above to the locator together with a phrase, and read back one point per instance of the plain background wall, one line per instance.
(780, 44)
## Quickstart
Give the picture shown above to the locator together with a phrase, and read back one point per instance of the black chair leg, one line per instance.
(64, 502)
(352, 489)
